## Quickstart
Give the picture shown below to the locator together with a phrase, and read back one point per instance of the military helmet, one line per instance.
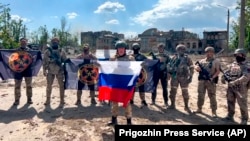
(180, 46)
(121, 44)
(85, 46)
(240, 51)
(209, 48)
(55, 39)
(161, 45)
(135, 46)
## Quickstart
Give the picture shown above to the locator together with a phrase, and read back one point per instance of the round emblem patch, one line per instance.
(142, 78)
(20, 61)
(88, 74)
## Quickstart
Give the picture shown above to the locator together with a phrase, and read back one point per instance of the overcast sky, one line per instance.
(130, 17)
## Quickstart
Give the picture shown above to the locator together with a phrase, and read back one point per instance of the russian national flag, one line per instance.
(117, 80)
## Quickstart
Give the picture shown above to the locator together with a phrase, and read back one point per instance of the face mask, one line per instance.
(86, 51)
(54, 45)
(181, 53)
(240, 59)
(136, 51)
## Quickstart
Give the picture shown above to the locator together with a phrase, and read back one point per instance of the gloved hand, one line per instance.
(45, 73)
(231, 84)
(190, 79)
(168, 76)
(223, 81)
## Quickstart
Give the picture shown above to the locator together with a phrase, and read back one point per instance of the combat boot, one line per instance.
(214, 115)
(29, 100)
(229, 118)
(93, 101)
(153, 102)
(199, 110)
(47, 102)
(132, 102)
(144, 103)
(172, 106)
(243, 122)
(187, 107)
(129, 122)
(78, 102)
(62, 100)
(16, 102)
(113, 121)
(78, 96)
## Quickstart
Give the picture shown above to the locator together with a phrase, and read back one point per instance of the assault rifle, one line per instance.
(228, 78)
(204, 74)
(55, 57)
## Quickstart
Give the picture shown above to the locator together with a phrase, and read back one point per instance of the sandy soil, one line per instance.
(88, 122)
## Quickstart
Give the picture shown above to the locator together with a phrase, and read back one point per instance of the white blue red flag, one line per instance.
(117, 80)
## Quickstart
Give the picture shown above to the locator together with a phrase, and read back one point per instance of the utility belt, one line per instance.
(215, 80)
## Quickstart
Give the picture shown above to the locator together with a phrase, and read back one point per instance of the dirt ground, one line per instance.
(88, 122)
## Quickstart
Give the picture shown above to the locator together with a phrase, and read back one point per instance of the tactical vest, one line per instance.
(207, 66)
(178, 66)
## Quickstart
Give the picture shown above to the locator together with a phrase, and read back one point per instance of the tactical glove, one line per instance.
(223, 81)
(190, 79)
(45, 73)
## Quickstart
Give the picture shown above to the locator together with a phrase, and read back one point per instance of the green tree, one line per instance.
(236, 29)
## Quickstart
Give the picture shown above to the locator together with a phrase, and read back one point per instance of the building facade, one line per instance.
(151, 37)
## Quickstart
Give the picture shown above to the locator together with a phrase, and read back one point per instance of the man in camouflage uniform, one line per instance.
(121, 55)
(27, 74)
(139, 57)
(237, 75)
(53, 67)
(181, 70)
(86, 56)
(161, 73)
(207, 81)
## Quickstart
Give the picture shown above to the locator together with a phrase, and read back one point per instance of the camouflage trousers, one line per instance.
(81, 86)
(210, 87)
(50, 80)
(174, 83)
(18, 82)
(141, 94)
(240, 95)
(115, 110)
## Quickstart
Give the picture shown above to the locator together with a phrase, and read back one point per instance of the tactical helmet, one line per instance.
(240, 51)
(55, 39)
(209, 48)
(121, 44)
(86, 46)
(160, 45)
(135, 46)
(180, 46)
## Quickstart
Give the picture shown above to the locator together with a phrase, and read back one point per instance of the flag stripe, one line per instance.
(116, 81)
(120, 67)
(116, 95)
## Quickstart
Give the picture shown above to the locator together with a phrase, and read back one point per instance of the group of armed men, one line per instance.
(178, 69)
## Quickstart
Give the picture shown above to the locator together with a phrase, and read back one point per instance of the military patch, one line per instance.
(88, 74)
(142, 78)
(20, 61)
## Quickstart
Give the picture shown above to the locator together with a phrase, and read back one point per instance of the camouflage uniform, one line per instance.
(212, 66)
(53, 67)
(181, 70)
(161, 73)
(88, 56)
(238, 84)
(139, 57)
(27, 74)
(115, 105)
